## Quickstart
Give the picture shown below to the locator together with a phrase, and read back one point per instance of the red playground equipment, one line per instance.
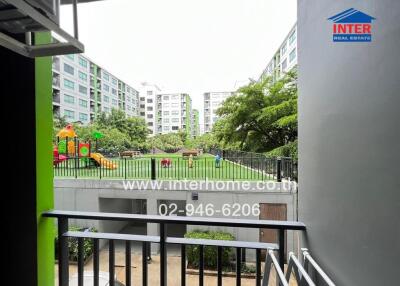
(166, 162)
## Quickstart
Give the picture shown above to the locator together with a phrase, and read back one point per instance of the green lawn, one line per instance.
(140, 168)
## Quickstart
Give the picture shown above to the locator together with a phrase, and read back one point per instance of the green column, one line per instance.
(44, 167)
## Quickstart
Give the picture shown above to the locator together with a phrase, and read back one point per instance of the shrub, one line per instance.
(73, 245)
(210, 252)
(288, 150)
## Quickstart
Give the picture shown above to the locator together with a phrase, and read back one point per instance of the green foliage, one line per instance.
(118, 132)
(170, 142)
(205, 142)
(210, 253)
(73, 245)
(259, 117)
(288, 150)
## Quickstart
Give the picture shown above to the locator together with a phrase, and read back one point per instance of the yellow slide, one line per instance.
(103, 161)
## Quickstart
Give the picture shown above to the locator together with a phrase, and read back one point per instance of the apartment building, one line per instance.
(147, 105)
(174, 113)
(212, 101)
(82, 89)
(284, 59)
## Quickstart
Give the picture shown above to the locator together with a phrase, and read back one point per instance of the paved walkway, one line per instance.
(154, 270)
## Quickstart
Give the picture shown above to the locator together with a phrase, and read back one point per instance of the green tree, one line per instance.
(260, 117)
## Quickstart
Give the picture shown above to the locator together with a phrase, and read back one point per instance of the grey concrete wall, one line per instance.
(110, 196)
(349, 99)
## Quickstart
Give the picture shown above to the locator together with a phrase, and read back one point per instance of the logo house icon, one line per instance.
(352, 26)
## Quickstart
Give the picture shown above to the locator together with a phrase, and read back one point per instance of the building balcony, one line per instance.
(273, 253)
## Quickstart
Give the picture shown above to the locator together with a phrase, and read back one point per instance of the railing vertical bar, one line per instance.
(111, 262)
(201, 265)
(183, 265)
(80, 261)
(163, 255)
(63, 271)
(219, 266)
(258, 267)
(144, 264)
(238, 266)
(281, 238)
(96, 264)
(128, 263)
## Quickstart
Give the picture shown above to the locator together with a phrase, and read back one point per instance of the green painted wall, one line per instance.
(44, 167)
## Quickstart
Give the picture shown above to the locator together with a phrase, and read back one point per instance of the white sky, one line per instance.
(189, 46)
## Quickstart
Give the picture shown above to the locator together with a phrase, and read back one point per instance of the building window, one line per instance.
(149, 92)
(114, 81)
(82, 62)
(82, 103)
(149, 100)
(114, 102)
(175, 112)
(106, 109)
(106, 87)
(142, 99)
(292, 55)
(69, 99)
(175, 120)
(149, 108)
(165, 97)
(166, 113)
(142, 114)
(149, 123)
(142, 106)
(69, 84)
(284, 65)
(71, 57)
(292, 37)
(83, 89)
(175, 97)
(69, 114)
(106, 76)
(166, 128)
(114, 91)
(149, 116)
(68, 69)
(82, 76)
(106, 99)
(166, 120)
(283, 49)
(83, 117)
(174, 128)
(174, 105)
(166, 105)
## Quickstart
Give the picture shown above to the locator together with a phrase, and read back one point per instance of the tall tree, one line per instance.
(260, 116)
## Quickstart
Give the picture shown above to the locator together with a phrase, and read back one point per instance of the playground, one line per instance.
(77, 159)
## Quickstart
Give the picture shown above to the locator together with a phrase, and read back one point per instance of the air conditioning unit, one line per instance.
(22, 17)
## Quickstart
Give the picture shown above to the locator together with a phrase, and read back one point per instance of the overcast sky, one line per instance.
(189, 46)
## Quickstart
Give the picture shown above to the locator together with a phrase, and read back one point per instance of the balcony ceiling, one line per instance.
(63, 2)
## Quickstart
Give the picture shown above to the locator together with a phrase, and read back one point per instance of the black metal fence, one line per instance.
(281, 167)
(232, 168)
(163, 240)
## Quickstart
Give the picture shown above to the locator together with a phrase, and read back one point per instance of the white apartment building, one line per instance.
(212, 101)
(285, 57)
(82, 90)
(147, 105)
(174, 113)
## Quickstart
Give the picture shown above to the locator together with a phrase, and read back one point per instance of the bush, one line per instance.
(210, 252)
(73, 245)
(288, 150)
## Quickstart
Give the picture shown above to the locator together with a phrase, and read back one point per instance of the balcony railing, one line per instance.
(163, 240)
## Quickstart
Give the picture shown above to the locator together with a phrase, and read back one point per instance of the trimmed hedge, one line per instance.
(288, 150)
(210, 252)
(73, 244)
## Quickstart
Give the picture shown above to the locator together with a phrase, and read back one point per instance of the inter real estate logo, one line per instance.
(352, 26)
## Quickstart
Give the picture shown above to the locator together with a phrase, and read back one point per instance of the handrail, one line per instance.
(246, 223)
(323, 275)
(163, 221)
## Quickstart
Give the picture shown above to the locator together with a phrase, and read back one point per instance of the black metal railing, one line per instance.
(281, 167)
(162, 239)
(175, 168)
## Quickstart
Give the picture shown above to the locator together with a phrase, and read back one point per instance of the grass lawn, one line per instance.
(140, 168)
